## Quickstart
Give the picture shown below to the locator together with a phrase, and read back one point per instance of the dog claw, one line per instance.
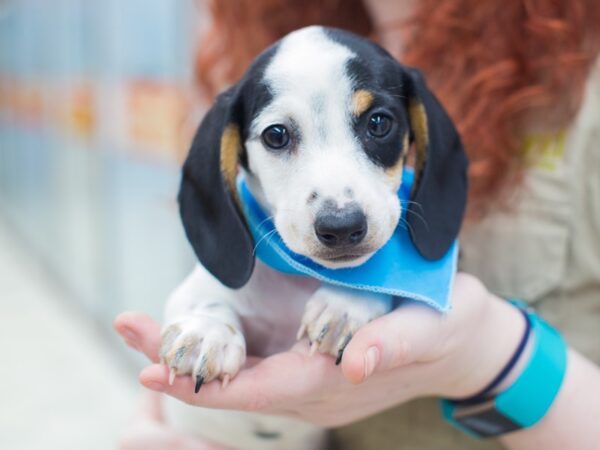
(322, 334)
(301, 332)
(314, 346)
(225, 381)
(342, 347)
(338, 359)
(199, 381)
(172, 374)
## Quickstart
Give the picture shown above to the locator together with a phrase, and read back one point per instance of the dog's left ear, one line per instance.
(440, 193)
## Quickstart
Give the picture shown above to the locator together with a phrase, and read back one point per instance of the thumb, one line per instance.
(408, 334)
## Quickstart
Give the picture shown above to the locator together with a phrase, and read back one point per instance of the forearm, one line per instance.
(573, 421)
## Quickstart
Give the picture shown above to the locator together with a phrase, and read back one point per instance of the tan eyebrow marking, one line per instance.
(361, 101)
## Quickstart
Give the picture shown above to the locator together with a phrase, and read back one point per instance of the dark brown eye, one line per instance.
(276, 137)
(379, 125)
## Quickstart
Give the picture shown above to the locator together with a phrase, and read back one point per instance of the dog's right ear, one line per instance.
(439, 198)
(208, 200)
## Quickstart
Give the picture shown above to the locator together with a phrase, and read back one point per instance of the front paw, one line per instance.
(333, 315)
(204, 347)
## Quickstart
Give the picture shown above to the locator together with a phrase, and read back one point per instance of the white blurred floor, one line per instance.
(61, 385)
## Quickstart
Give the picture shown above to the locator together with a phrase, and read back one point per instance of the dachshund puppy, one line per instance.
(320, 126)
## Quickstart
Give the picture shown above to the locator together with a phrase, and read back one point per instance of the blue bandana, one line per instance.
(396, 269)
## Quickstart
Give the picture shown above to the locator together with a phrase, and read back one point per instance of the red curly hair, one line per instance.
(502, 69)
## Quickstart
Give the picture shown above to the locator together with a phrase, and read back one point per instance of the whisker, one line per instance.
(266, 219)
(411, 202)
(271, 236)
(270, 233)
(408, 227)
(420, 217)
(416, 213)
(402, 224)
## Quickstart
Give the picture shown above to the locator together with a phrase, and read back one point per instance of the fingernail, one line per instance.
(155, 386)
(371, 361)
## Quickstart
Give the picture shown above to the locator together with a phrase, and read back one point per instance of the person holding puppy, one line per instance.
(520, 83)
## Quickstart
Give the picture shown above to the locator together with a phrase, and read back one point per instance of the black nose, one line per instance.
(341, 227)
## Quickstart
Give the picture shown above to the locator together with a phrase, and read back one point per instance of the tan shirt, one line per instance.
(545, 250)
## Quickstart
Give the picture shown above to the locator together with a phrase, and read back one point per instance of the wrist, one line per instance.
(527, 399)
(488, 349)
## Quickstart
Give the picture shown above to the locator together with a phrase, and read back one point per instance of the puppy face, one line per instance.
(321, 123)
(325, 152)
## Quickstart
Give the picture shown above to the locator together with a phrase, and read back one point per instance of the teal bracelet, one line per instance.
(528, 399)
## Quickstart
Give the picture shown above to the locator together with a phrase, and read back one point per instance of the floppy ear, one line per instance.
(208, 200)
(440, 193)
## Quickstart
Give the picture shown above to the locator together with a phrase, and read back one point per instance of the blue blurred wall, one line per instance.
(94, 204)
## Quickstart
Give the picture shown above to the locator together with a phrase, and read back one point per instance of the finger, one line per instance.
(140, 332)
(148, 431)
(399, 338)
(151, 406)
(262, 387)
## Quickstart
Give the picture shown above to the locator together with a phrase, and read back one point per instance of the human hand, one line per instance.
(149, 431)
(410, 352)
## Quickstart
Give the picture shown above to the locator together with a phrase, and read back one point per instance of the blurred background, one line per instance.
(96, 110)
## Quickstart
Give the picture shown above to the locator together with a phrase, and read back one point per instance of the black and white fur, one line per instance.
(324, 86)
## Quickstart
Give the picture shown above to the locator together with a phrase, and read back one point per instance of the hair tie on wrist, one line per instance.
(481, 395)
